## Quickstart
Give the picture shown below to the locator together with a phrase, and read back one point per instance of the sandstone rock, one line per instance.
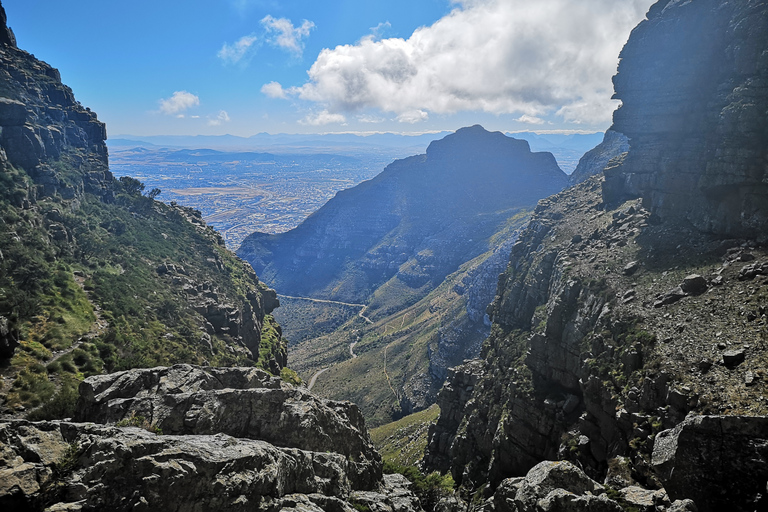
(631, 267)
(241, 402)
(12, 112)
(644, 500)
(698, 143)
(561, 500)
(548, 476)
(595, 160)
(705, 455)
(670, 297)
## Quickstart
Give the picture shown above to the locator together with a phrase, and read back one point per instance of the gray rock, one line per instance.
(631, 267)
(548, 476)
(12, 112)
(241, 402)
(733, 358)
(694, 284)
(704, 455)
(110, 468)
(670, 297)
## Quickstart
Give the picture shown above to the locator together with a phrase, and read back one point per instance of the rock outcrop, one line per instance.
(614, 145)
(186, 438)
(692, 84)
(706, 455)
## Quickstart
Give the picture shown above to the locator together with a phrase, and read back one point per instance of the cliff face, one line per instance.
(623, 329)
(692, 82)
(613, 145)
(94, 275)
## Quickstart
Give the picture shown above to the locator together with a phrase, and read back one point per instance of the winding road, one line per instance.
(327, 301)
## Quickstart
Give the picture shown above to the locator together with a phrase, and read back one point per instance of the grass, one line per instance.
(403, 442)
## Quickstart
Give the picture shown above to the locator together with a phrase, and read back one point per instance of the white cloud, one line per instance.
(273, 90)
(235, 52)
(413, 116)
(367, 118)
(178, 103)
(323, 117)
(222, 117)
(285, 35)
(534, 59)
(525, 118)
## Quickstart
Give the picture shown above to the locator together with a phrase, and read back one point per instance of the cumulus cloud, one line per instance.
(273, 90)
(222, 117)
(238, 50)
(283, 34)
(525, 118)
(322, 118)
(534, 59)
(178, 103)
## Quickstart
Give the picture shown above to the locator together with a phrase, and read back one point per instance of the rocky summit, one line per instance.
(629, 333)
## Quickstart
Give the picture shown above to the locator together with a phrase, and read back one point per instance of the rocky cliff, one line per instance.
(692, 82)
(629, 335)
(594, 161)
(193, 438)
(95, 275)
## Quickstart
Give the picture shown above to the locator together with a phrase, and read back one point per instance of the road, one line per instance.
(326, 301)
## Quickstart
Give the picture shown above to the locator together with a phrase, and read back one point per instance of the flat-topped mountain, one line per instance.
(413, 224)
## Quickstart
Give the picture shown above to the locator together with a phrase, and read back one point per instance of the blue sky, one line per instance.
(301, 66)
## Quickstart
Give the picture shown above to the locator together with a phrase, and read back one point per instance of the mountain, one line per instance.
(629, 327)
(613, 145)
(411, 225)
(420, 246)
(94, 275)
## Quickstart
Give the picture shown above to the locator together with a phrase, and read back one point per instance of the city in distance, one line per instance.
(271, 183)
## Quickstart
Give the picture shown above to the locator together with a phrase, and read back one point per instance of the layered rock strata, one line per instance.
(209, 439)
(692, 82)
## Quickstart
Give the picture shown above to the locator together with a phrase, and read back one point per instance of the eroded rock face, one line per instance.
(97, 467)
(704, 455)
(240, 402)
(614, 145)
(692, 81)
(232, 439)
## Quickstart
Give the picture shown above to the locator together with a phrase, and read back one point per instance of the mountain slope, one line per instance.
(629, 330)
(94, 275)
(417, 221)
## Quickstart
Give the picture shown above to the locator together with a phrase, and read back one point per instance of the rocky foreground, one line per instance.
(195, 438)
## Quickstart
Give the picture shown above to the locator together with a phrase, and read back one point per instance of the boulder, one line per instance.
(241, 402)
(548, 476)
(694, 284)
(705, 455)
(733, 358)
(97, 467)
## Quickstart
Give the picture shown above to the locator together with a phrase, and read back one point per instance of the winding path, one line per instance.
(327, 301)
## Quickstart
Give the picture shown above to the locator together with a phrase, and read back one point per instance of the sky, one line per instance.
(241, 67)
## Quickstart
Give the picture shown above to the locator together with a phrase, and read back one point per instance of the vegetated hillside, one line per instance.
(95, 276)
(630, 334)
(401, 360)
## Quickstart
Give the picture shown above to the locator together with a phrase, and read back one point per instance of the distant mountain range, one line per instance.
(567, 148)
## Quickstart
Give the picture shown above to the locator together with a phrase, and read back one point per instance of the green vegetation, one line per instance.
(135, 420)
(429, 488)
(82, 291)
(403, 442)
